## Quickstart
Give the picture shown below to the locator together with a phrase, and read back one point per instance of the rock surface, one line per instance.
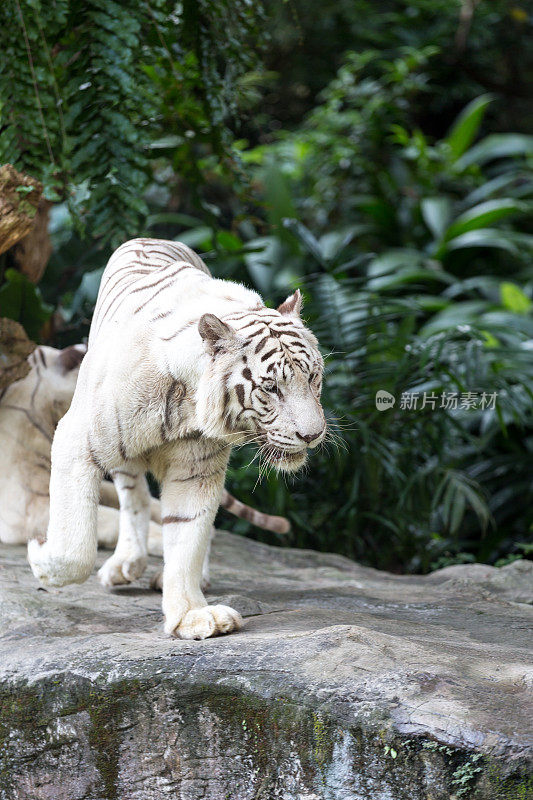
(345, 684)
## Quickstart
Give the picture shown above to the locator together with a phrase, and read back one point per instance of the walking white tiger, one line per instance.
(180, 367)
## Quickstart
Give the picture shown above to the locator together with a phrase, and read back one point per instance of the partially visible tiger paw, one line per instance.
(117, 571)
(202, 623)
(157, 581)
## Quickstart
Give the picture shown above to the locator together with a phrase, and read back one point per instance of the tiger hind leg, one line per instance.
(128, 562)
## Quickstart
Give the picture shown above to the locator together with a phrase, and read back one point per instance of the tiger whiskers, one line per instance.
(333, 437)
(340, 423)
(262, 468)
(337, 441)
(256, 455)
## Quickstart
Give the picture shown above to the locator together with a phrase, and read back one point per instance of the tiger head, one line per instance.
(50, 384)
(264, 382)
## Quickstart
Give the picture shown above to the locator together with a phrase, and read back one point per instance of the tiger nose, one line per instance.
(309, 438)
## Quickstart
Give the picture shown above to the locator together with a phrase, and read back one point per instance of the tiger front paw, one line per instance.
(202, 623)
(52, 569)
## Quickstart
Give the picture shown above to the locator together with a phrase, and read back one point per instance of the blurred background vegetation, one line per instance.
(378, 155)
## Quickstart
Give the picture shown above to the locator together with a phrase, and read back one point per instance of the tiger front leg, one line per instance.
(128, 562)
(189, 506)
(157, 581)
(69, 552)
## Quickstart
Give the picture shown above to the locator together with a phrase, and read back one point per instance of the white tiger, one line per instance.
(30, 409)
(180, 367)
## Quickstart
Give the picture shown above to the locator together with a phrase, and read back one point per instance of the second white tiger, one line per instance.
(180, 367)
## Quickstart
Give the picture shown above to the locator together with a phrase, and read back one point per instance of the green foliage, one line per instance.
(405, 296)
(401, 205)
(354, 154)
(414, 260)
(86, 89)
(483, 47)
(464, 776)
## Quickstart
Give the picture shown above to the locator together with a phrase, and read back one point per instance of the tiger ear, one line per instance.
(216, 333)
(71, 357)
(292, 306)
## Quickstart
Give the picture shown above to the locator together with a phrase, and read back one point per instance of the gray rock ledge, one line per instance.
(345, 684)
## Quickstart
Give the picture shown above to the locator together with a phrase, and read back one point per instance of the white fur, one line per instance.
(29, 411)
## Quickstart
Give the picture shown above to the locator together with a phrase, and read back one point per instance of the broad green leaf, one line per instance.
(228, 240)
(522, 240)
(513, 181)
(466, 313)
(476, 503)
(376, 208)
(497, 145)
(436, 212)
(485, 214)
(392, 259)
(172, 218)
(262, 260)
(21, 300)
(508, 323)
(455, 502)
(465, 128)
(333, 243)
(311, 244)
(279, 200)
(429, 302)
(484, 284)
(407, 276)
(514, 299)
(484, 237)
(201, 237)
